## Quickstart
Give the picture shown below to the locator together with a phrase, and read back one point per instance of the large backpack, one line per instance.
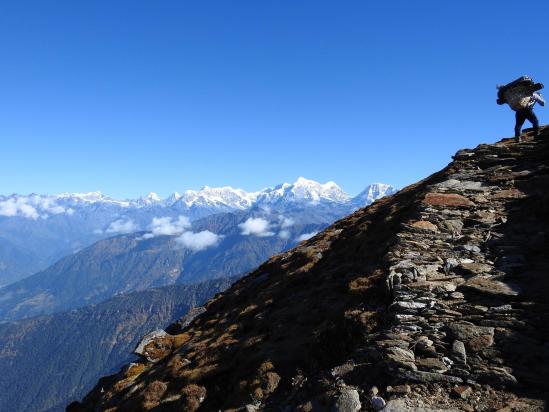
(518, 93)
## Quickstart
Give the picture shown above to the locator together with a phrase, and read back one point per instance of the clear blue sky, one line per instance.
(128, 97)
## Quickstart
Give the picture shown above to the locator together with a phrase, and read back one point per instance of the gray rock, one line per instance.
(343, 370)
(348, 401)
(399, 405)
(400, 358)
(458, 352)
(408, 305)
(469, 248)
(431, 364)
(378, 403)
(467, 185)
(423, 377)
(496, 377)
(453, 226)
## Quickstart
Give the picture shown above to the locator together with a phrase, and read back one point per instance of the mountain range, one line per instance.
(37, 230)
(136, 266)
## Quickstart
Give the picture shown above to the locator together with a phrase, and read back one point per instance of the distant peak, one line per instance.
(152, 196)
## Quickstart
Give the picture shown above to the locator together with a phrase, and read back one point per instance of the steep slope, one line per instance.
(48, 361)
(16, 262)
(436, 295)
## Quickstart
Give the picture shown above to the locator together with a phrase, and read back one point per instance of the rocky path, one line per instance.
(464, 277)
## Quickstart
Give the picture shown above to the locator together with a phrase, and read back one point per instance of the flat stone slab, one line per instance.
(399, 405)
(490, 287)
(447, 199)
(420, 376)
(467, 185)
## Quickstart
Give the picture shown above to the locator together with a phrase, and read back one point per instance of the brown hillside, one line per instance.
(436, 295)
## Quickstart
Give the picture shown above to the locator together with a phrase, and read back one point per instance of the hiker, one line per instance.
(521, 95)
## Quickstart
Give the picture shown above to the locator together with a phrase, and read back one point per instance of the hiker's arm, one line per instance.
(539, 99)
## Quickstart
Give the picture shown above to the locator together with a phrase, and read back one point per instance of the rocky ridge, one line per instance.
(431, 299)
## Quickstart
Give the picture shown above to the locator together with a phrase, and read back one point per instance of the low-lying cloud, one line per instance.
(31, 207)
(166, 226)
(199, 240)
(122, 226)
(256, 226)
(305, 236)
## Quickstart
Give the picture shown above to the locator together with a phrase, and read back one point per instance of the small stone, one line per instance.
(470, 248)
(374, 391)
(343, 370)
(462, 391)
(378, 403)
(431, 364)
(400, 358)
(447, 361)
(454, 226)
(399, 389)
(348, 401)
(457, 295)
(408, 305)
(458, 352)
(425, 225)
(423, 342)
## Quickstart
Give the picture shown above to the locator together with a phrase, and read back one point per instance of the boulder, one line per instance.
(155, 346)
(348, 401)
(475, 338)
(400, 358)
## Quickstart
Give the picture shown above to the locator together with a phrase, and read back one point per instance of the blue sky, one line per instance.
(128, 97)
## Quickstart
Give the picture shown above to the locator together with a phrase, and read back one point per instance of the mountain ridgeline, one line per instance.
(437, 296)
(38, 230)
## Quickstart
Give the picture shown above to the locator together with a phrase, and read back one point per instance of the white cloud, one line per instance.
(286, 221)
(305, 236)
(284, 234)
(122, 226)
(32, 207)
(13, 207)
(256, 226)
(199, 240)
(165, 226)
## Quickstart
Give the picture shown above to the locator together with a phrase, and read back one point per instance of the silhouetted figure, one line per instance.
(521, 96)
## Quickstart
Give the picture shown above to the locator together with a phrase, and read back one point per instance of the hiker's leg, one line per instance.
(531, 116)
(520, 118)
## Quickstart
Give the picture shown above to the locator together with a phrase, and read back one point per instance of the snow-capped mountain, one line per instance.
(372, 193)
(52, 226)
(303, 190)
(217, 197)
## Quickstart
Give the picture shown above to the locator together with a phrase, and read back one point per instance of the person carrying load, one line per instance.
(521, 96)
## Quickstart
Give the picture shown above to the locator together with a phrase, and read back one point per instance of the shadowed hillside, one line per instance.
(47, 361)
(436, 295)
